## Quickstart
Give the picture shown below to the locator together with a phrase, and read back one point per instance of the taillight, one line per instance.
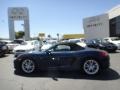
(103, 54)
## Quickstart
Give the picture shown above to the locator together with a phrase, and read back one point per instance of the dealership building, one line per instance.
(104, 25)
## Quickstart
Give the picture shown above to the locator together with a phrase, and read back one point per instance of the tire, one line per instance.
(91, 67)
(2, 55)
(28, 66)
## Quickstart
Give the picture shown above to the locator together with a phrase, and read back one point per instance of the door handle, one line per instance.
(53, 58)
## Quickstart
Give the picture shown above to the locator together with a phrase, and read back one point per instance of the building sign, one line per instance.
(94, 25)
(18, 13)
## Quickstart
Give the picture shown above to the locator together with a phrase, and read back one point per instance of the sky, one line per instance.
(54, 16)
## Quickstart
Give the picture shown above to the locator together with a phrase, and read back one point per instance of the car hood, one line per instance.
(24, 47)
(12, 44)
(116, 42)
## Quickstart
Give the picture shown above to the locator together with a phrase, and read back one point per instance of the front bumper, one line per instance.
(17, 64)
(18, 54)
(2, 52)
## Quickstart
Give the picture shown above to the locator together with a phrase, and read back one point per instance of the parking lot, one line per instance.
(55, 80)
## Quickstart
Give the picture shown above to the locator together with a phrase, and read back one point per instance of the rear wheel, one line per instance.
(28, 66)
(91, 67)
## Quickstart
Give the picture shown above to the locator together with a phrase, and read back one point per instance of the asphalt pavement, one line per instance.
(55, 80)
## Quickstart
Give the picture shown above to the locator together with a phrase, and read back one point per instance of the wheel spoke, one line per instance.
(91, 67)
(28, 66)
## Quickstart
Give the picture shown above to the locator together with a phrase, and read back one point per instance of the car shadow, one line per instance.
(109, 74)
(6, 55)
(118, 51)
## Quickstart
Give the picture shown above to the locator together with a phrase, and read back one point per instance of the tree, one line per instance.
(19, 34)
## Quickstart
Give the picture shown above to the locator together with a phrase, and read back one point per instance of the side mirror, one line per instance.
(48, 52)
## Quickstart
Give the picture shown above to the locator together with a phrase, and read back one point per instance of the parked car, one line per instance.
(5, 41)
(3, 49)
(102, 44)
(26, 47)
(13, 44)
(47, 45)
(81, 41)
(64, 56)
(77, 40)
(114, 40)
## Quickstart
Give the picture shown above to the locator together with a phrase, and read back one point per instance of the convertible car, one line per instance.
(64, 56)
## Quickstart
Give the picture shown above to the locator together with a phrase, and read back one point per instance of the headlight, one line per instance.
(4, 48)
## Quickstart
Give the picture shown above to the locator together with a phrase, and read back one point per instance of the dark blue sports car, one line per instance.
(64, 56)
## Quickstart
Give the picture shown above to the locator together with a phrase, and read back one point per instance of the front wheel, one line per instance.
(91, 67)
(28, 66)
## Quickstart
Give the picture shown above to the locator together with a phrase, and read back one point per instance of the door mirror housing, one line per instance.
(48, 51)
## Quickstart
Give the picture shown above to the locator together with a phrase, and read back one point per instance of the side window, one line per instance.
(91, 42)
(76, 48)
(32, 43)
(106, 39)
(36, 42)
(62, 48)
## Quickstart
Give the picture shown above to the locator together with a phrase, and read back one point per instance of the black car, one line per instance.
(3, 49)
(64, 56)
(102, 44)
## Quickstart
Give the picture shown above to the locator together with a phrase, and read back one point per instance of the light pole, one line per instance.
(23, 31)
(58, 36)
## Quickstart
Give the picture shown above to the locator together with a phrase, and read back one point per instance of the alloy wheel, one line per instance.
(28, 66)
(91, 67)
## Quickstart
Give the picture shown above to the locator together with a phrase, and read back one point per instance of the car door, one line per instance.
(46, 60)
(62, 56)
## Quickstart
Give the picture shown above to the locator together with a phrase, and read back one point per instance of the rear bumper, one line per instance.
(105, 62)
(118, 47)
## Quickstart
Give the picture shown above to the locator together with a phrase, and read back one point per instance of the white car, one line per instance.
(6, 41)
(13, 44)
(45, 46)
(26, 47)
(48, 44)
(114, 40)
(80, 41)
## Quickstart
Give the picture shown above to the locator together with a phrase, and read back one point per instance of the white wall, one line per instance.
(96, 27)
(114, 12)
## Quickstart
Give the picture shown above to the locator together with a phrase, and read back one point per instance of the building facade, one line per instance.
(104, 25)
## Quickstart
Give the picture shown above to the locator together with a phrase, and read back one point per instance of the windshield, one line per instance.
(115, 39)
(100, 41)
(24, 43)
